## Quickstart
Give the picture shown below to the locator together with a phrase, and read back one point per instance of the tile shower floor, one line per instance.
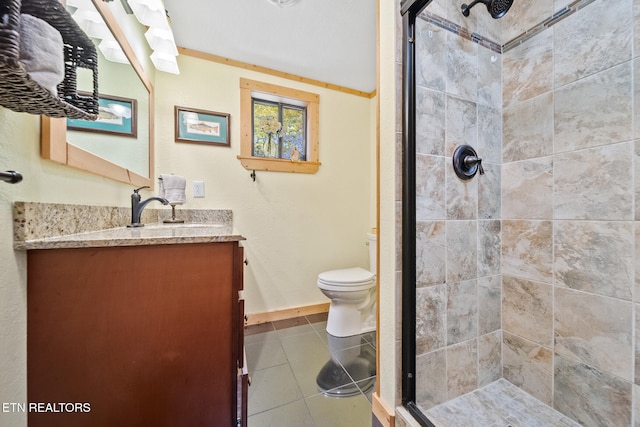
(499, 404)
(294, 378)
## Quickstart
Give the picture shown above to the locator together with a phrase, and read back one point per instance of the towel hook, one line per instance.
(253, 175)
(11, 177)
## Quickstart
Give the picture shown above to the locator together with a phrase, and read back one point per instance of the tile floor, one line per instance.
(295, 380)
(499, 404)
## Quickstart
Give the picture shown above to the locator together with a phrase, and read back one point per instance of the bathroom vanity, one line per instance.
(136, 327)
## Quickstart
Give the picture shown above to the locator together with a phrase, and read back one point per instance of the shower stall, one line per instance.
(521, 286)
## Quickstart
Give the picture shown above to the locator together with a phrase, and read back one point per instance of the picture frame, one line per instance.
(117, 116)
(202, 127)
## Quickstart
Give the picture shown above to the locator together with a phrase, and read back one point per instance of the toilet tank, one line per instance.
(372, 242)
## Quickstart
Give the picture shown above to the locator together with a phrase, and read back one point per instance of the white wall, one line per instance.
(296, 225)
(389, 325)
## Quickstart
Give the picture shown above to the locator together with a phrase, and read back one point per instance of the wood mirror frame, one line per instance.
(54, 145)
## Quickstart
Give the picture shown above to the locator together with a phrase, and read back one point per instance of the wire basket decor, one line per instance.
(18, 91)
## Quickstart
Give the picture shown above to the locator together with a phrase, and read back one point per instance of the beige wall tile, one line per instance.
(528, 129)
(430, 188)
(595, 256)
(462, 124)
(489, 358)
(431, 55)
(430, 121)
(527, 69)
(559, 4)
(462, 368)
(489, 134)
(636, 308)
(462, 68)
(595, 183)
(589, 42)
(462, 311)
(489, 75)
(590, 396)
(489, 191)
(594, 111)
(533, 178)
(528, 366)
(489, 304)
(595, 330)
(431, 379)
(636, 95)
(527, 249)
(489, 246)
(636, 294)
(462, 244)
(431, 318)
(527, 310)
(430, 253)
(636, 28)
(523, 15)
(461, 195)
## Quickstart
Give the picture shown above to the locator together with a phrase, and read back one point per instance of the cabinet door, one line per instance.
(143, 334)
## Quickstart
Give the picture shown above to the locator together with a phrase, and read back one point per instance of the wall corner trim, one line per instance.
(385, 416)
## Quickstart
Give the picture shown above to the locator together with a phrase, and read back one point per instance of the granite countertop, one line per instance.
(150, 234)
(55, 226)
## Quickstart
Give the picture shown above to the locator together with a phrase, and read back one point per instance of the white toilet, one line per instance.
(352, 292)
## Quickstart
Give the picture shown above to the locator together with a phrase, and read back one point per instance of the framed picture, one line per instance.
(202, 127)
(116, 116)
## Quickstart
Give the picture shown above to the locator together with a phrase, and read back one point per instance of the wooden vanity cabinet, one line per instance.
(139, 335)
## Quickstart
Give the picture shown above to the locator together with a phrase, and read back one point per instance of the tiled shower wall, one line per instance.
(568, 214)
(530, 271)
(458, 343)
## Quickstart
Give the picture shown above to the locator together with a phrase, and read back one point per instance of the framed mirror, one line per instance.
(119, 145)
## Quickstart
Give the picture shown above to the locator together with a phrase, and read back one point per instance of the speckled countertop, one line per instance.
(54, 226)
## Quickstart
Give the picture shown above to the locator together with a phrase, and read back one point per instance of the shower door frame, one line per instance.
(409, 10)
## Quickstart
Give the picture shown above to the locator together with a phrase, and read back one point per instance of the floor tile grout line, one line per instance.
(366, 341)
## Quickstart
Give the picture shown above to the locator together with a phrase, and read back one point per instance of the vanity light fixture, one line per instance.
(149, 12)
(91, 22)
(283, 3)
(153, 14)
(165, 62)
(112, 51)
(161, 40)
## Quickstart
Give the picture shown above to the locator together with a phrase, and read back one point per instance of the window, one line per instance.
(279, 128)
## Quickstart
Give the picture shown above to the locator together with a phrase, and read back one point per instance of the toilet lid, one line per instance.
(346, 277)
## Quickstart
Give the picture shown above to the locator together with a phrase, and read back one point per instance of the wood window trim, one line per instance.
(249, 162)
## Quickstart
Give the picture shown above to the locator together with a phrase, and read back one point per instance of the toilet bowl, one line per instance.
(352, 292)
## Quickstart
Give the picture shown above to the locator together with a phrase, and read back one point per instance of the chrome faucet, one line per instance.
(138, 206)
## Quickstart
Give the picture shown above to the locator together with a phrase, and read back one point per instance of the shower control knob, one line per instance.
(466, 162)
(470, 161)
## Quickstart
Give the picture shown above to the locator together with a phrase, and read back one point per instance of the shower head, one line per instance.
(497, 8)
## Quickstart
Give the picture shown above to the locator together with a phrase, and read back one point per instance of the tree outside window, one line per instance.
(279, 130)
